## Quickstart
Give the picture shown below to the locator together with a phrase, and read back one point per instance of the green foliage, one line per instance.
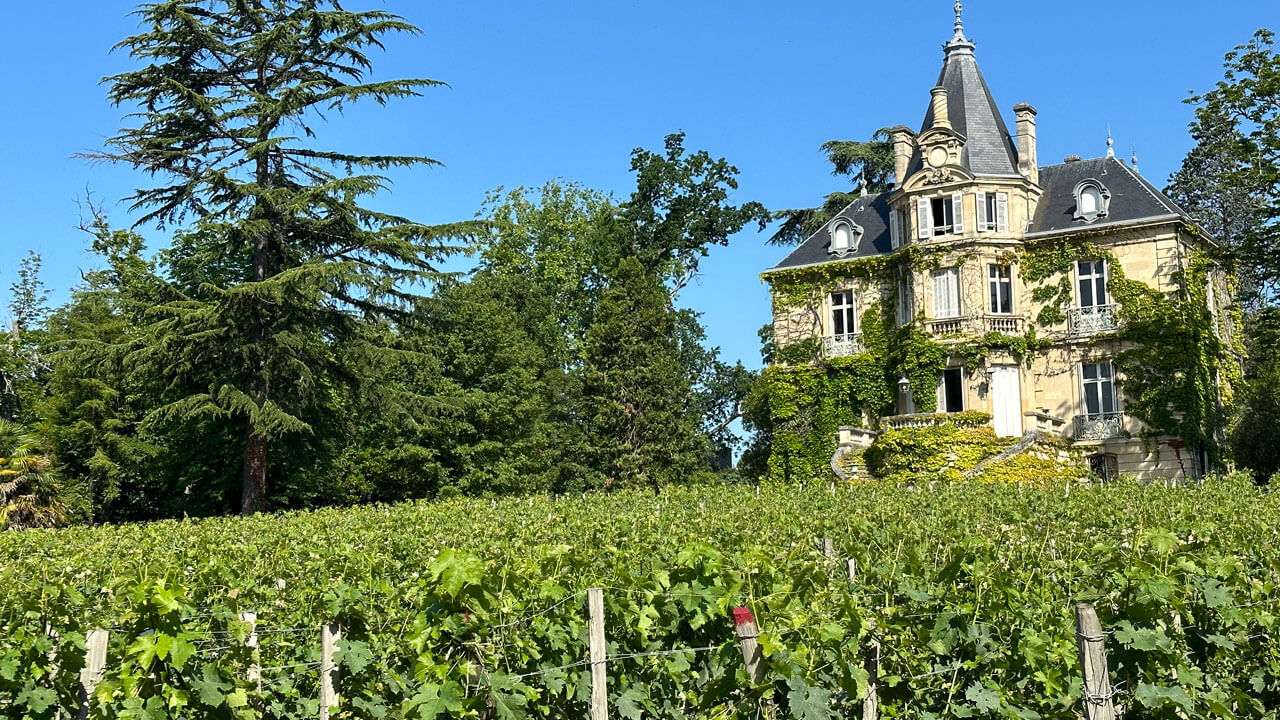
(268, 285)
(1177, 374)
(24, 367)
(29, 496)
(641, 415)
(1253, 443)
(970, 585)
(1240, 124)
(680, 208)
(940, 452)
(554, 240)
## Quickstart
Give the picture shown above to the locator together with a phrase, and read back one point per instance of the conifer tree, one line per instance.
(641, 416)
(278, 262)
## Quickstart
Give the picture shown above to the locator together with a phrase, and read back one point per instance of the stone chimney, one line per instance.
(941, 117)
(1027, 165)
(901, 136)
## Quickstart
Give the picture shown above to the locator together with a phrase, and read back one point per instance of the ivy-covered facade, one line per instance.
(1073, 299)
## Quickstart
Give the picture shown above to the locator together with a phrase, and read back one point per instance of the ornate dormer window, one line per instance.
(844, 237)
(1092, 200)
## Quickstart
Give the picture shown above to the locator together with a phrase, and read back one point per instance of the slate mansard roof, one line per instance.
(1133, 199)
(871, 213)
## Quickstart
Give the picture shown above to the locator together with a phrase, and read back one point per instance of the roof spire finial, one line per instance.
(1111, 151)
(959, 41)
(1134, 159)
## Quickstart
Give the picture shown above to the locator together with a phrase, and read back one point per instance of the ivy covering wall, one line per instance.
(1176, 373)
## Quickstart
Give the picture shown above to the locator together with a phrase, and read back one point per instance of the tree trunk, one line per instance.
(253, 473)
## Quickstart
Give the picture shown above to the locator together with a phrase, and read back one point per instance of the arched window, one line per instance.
(1089, 201)
(1092, 200)
(844, 237)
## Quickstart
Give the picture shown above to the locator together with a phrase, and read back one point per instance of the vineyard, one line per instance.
(478, 608)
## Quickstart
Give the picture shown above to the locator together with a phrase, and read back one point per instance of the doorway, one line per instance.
(1006, 400)
(951, 391)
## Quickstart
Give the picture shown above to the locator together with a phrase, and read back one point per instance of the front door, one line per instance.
(1006, 400)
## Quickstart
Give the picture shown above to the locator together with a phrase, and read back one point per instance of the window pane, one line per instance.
(1100, 288)
(995, 297)
(1006, 297)
(1086, 292)
(1090, 371)
(1092, 402)
(1108, 391)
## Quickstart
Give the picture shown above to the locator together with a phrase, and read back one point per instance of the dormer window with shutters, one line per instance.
(993, 212)
(940, 216)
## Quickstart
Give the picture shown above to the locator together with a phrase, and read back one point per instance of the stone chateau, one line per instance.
(972, 198)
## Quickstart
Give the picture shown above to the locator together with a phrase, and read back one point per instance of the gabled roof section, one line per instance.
(1133, 199)
(870, 212)
(988, 148)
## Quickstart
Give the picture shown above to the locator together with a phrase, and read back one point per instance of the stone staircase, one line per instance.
(846, 462)
(1031, 440)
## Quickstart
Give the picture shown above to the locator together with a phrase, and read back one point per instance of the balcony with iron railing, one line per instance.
(1099, 426)
(842, 345)
(1090, 320)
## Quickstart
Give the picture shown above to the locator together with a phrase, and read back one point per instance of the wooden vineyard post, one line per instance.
(595, 629)
(1093, 665)
(828, 548)
(329, 637)
(95, 665)
(853, 570)
(744, 623)
(871, 702)
(251, 642)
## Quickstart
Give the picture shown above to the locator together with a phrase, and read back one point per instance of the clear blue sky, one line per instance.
(543, 89)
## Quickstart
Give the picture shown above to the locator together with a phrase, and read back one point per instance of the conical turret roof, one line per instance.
(988, 148)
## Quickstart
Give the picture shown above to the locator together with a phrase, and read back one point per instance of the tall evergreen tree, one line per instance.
(1243, 112)
(1211, 186)
(641, 416)
(23, 367)
(279, 263)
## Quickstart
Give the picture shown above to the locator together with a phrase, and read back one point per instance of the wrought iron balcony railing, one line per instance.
(842, 345)
(1099, 426)
(1095, 319)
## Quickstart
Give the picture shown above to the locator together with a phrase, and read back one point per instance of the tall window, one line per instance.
(906, 309)
(946, 292)
(1092, 280)
(1000, 288)
(1097, 380)
(987, 212)
(940, 216)
(843, 317)
(943, 216)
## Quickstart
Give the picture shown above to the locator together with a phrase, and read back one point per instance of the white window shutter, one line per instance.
(981, 207)
(953, 292)
(1002, 212)
(894, 238)
(925, 219)
(939, 295)
(957, 212)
